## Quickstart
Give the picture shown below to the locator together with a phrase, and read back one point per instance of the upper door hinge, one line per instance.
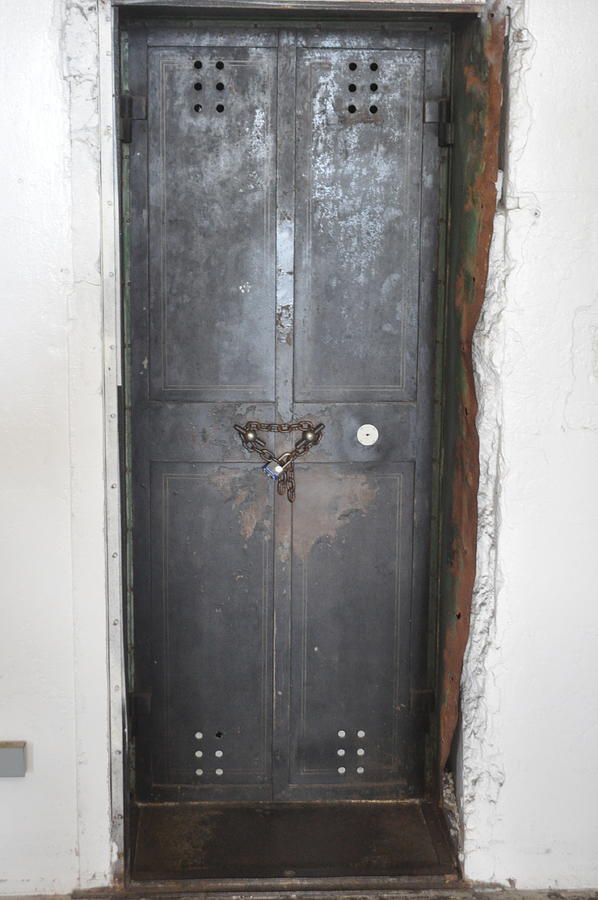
(131, 107)
(438, 112)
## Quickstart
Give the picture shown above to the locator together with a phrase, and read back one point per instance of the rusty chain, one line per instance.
(281, 468)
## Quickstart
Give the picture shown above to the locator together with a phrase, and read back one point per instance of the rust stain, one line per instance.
(250, 515)
(481, 104)
(328, 511)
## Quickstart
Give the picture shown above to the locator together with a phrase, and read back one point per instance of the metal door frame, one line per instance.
(477, 89)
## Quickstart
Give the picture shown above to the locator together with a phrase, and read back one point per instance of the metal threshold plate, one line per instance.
(291, 840)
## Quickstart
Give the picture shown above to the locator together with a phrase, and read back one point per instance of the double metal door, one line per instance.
(281, 202)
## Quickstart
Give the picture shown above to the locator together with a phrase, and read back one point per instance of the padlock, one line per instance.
(273, 470)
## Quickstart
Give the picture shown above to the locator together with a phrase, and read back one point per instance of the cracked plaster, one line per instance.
(528, 781)
(525, 774)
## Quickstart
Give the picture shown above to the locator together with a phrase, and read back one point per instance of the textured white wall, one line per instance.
(54, 823)
(529, 786)
(530, 738)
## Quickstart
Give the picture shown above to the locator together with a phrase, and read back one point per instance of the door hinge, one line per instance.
(423, 702)
(131, 107)
(438, 112)
(140, 703)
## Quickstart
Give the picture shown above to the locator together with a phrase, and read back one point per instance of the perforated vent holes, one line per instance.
(210, 746)
(209, 88)
(365, 89)
(352, 750)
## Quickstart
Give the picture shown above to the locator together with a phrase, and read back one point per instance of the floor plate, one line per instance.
(292, 840)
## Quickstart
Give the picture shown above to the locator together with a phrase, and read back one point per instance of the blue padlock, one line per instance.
(272, 470)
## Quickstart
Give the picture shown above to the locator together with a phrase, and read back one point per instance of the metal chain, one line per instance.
(285, 478)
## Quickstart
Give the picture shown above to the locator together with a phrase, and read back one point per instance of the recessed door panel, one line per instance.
(350, 627)
(212, 149)
(358, 165)
(212, 539)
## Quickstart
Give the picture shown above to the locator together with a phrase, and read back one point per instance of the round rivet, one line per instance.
(309, 435)
(250, 435)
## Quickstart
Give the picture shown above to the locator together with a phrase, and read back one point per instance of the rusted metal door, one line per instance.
(282, 203)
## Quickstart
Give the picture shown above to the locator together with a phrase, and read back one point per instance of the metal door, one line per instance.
(281, 206)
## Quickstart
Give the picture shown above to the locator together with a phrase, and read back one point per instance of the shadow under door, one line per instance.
(281, 201)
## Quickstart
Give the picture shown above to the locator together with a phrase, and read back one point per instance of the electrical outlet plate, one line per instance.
(13, 763)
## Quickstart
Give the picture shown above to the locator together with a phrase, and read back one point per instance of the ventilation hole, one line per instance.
(352, 88)
(342, 734)
(219, 734)
(219, 86)
(353, 66)
(197, 85)
(341, 770)
(352, 108)
(340, 752)
(218, 753)
(198, 63)
(219, 771)
(199, 771)
(198, 107)
(373, 110)
(373, 86)
(198, 735)
(361, 734)
(219, 64)
(374, 67)
(220, 108)
(361, 752)
(199, 753)
(360, 770)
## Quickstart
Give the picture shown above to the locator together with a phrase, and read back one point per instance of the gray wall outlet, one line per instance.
(12, 759)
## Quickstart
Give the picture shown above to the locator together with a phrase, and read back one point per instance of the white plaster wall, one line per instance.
(530, 734)
(54, 823)
(529, 785)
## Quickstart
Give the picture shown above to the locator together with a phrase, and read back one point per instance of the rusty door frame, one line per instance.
(478, 47)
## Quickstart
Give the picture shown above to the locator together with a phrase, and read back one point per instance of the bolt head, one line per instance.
(309, 436)
(250, 435)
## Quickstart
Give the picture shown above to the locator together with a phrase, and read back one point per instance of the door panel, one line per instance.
(282, 266)
(214, 525)
(212, 146)
(358, 168)
(349, 624)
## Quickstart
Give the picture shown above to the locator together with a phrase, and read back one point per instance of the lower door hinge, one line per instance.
(438, 112)
(131, 108)
(424, 701)
(140, 703)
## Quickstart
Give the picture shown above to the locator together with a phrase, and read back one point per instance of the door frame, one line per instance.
(478, 49)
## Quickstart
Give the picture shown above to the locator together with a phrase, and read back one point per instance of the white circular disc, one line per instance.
(367, 435)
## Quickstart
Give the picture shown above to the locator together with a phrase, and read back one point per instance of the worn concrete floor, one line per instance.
(462, 892)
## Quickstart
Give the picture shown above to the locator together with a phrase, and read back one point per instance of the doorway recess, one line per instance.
(287, 258)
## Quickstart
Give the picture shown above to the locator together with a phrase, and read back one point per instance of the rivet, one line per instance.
(250, 436)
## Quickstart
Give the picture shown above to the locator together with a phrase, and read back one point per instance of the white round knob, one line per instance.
(367, 435)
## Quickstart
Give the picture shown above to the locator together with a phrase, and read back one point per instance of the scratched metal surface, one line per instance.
(283, 264)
